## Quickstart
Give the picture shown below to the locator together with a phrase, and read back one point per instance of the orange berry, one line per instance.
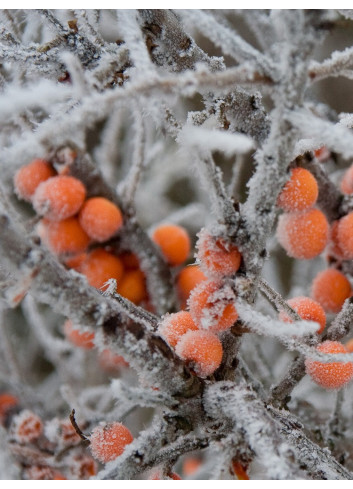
(63, 236)
(173, 326)
(100, 266)
(100, 218)
(239, 471)
(334, 248)
(330, 375)
(174, 243)
(203, 349)
(300, 192)
(157, 476)
(187, 280)
(40, 473)
(331, 288)
(191, 465)
(111, 362)
(26, 427)
(212, 306)
(59, 197)
(307, 309)
(83, 339)
(218, 257)
(7, 402)
(133, 286)
(303, 235)
(345, 236)
(28, 177)
(347, 181)
(109, 441)
(322, 154)
(83, 467)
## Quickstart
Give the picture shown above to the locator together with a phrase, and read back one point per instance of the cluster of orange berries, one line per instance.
(28, 430)
(210, 299)
(304, 233)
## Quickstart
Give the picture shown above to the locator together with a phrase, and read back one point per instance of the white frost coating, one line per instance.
(215, 140)
(18, 99)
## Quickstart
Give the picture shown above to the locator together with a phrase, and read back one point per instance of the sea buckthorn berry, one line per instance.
(109, 441)
(7, 402)
(110, 361)
(188, 278)
(133, 286)
(212, 306)
(322, 154)
(83, 467)
(334, 248)
(75, 261)
(100, 266)
(191, 465)
(174, 243)
(307, 309)
(157, 476)
(330, 375)
(345, 236)
(349, 345)
(63, 237)
(62, 432)
(100, 218)
(239, 471)
(83, 339)
(203, 349)
(28, 178)
(42, 473)
(26, 427)
(217, 257)
(300, 192)
(303, 235)
(59, 197)
(174, 325)
(347, 181)
(331, 288)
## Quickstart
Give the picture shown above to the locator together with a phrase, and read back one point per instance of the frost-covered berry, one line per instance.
(157, 476)
(62, 432)
(303, 235)
(26, 427)
(110, 361)
(100, 266)
(212, 306)
(100, 218)
(28, 177)
(191, 465)
(217, 257)
(133, 286)
(203, 349)
(7, 402)
(300, 192)
(63, 237)
(42, 473)
(59, 197)
(175, 325)
(330, 375)
(83, 467)
(174, 243)
(109, 441)
(344, 236)
(187, 280)
(239, 471)
(347, 181)
(78, 337)
(331, 288)
(307, 309)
